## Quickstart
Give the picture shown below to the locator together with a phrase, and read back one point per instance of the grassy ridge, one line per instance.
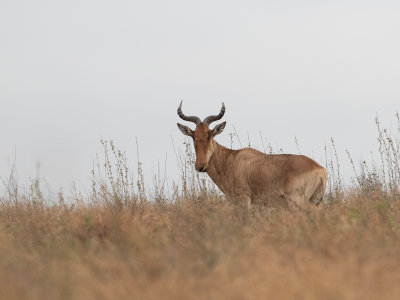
(125, 242)
(207, 250)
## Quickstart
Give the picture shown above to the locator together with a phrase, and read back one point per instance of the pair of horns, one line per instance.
(207, 121)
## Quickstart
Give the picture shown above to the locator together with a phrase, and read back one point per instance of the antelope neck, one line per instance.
(217, 164)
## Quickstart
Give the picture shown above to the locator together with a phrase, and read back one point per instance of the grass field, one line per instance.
(125, 242)
(200, 250)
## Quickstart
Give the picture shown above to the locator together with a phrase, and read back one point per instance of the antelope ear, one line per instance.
(218, 129)
(185, 130)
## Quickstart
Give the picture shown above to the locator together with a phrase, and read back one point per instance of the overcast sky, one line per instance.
(72, 72)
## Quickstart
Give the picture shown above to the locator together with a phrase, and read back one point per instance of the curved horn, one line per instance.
(193, 119)
(207, 121)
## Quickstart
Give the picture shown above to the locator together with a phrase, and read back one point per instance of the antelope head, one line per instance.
(202, 136)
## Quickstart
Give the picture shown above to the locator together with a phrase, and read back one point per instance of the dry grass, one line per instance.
(207, 250)
(192, 244)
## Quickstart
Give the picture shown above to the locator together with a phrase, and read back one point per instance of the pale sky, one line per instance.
(72, 72)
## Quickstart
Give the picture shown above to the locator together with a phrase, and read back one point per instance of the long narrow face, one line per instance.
(202, 136)
(203, 145)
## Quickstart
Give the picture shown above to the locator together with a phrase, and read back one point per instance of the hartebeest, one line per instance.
(249, 176)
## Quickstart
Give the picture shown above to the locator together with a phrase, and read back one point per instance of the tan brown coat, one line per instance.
(249, 176)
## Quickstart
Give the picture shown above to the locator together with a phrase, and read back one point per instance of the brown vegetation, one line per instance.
(192, 244)
(207, 250)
